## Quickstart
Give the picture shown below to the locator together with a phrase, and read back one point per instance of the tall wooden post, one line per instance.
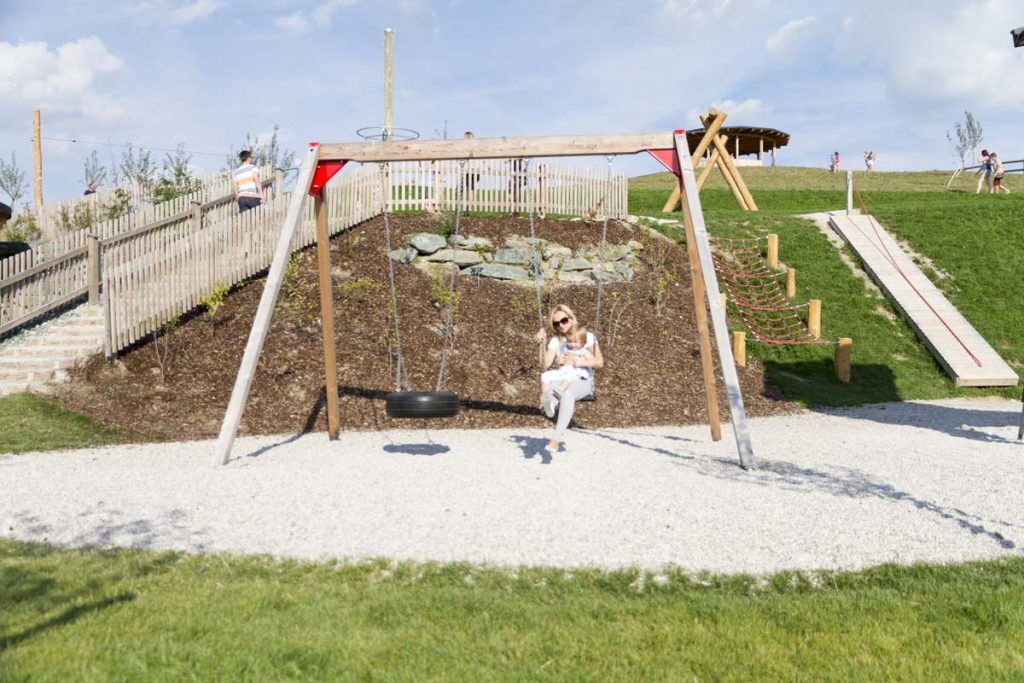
(37, 146)
(389, 42)
(814, 318)
(843, 359)
(323, 253)
(703, 336)
(773, 251)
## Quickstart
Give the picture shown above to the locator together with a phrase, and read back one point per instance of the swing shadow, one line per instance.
(844, 482)
(534, 447)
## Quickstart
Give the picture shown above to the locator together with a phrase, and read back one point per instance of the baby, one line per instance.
(575, 347)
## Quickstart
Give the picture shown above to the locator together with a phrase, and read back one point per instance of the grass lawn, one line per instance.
(132, 615)
(34, 423)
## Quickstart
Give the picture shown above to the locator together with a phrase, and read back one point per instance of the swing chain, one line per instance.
(604, 244)
(400, 370)
(449, 323)
(537, 256)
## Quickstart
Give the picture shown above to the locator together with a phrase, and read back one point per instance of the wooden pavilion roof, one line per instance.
(749, 137)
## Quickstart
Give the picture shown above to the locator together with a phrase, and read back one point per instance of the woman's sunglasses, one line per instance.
(562, 321)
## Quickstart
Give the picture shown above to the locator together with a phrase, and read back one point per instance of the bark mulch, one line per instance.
(177, 385)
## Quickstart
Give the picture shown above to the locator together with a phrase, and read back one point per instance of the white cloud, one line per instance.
(787, 39)
(293, 23)
(161, 12)
(65, 79)
(747, 113)
(323, 13)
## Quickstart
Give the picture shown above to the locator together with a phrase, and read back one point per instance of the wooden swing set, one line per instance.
(323, 161)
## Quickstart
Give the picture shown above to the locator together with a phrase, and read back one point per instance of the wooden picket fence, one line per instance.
(152, 274)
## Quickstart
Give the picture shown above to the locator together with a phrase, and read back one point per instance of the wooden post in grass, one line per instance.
(323, 252)
(773, 251)
(814, 318)
(843, 358)
(725, 301)
(791, 283)
(739, 348)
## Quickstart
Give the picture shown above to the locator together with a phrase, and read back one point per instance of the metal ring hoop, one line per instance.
(380, 134)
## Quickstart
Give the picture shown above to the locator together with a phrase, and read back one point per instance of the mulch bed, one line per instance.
(177, 387)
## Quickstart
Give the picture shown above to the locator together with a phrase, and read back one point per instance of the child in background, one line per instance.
(997, 173)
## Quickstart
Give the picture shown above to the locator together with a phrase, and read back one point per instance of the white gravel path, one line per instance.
(903, 482)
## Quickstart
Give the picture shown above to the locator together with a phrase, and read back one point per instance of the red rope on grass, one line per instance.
(871, 220)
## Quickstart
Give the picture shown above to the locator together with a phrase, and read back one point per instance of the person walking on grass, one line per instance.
(997, 173)
(245, 182)
(562, 322)
(984, 172)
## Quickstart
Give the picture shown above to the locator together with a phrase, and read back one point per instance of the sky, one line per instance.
(847, 75)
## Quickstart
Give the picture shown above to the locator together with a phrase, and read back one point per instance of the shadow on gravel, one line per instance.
(841, 482)
(533, 447)
(417, 448)
(962, 423)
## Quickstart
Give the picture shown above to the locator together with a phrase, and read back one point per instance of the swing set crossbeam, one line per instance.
(496, 148)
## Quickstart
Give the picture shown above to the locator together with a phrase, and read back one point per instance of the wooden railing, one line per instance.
(151, 274)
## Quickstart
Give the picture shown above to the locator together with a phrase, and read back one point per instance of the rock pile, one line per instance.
(521, 259)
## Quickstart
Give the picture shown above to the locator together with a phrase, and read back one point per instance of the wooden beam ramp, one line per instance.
(954, 342)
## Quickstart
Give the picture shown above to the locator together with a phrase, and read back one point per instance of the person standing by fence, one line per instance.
(246, 183)
(984, 172)
(997, 173)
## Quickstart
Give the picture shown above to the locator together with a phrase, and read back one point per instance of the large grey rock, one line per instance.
(634, 245)
(425, 242)
(473, 243)
(403, 255)
(528, 243)
(499, 271)
(516, 257)
(552, 250)
(576, 264)
(575, 277)
(624, 271)
(604, 276)
(460, 257)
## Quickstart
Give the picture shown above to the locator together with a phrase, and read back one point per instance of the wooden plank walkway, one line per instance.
(884, 260)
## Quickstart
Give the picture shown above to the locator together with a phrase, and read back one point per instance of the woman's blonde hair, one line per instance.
(562, 308)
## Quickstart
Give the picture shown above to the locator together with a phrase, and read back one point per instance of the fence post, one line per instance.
(814, 318)
(843, 359)
(197, 217)
(849, 192)
(791, 283)
(773, 251)
(739, 348)
(542, 190)
(92, 269)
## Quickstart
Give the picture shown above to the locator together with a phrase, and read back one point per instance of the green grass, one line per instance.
(34, 423)
(132, 615)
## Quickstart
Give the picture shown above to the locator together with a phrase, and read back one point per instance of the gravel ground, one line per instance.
(905, 482)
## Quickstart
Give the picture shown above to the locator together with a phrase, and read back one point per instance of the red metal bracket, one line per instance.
(668, 157)
(325, 170)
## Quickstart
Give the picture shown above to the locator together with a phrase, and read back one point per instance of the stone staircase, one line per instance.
(42, 355)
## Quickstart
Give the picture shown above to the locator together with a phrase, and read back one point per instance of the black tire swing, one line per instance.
(420, 404)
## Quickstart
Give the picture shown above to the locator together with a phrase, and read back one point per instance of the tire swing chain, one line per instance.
(400, 369)
(448, 334)
(602, 250)
(537, 257)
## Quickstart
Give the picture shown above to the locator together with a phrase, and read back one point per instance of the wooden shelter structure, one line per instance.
(723, 146)
(323, 161)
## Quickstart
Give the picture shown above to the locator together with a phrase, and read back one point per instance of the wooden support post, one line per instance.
(37, 146)
(93, 269)
(791, 283)
(725, 301)
(708, 167)
(703, 337)
(729, 170)
(739, 348)
(265, 310)
(714, 121)
(843, 359)
(673, 199)
(699, 233)
(730, 179)
(773, 251)
(323, 253)
(814, 318)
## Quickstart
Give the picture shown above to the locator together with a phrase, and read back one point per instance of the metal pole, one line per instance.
(389, 42)
(849, 192)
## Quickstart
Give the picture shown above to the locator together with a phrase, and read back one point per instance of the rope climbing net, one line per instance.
(755, 292)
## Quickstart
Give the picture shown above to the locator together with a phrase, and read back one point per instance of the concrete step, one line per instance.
(36, 364)
(53, 350)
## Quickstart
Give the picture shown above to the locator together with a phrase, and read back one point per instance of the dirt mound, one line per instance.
(178, 385)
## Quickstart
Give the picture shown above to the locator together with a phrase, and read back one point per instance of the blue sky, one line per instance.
(847, 76)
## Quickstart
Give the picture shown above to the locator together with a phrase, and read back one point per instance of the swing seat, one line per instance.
(422, 404)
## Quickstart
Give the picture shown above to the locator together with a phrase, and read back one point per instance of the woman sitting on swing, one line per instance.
(565, 327)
